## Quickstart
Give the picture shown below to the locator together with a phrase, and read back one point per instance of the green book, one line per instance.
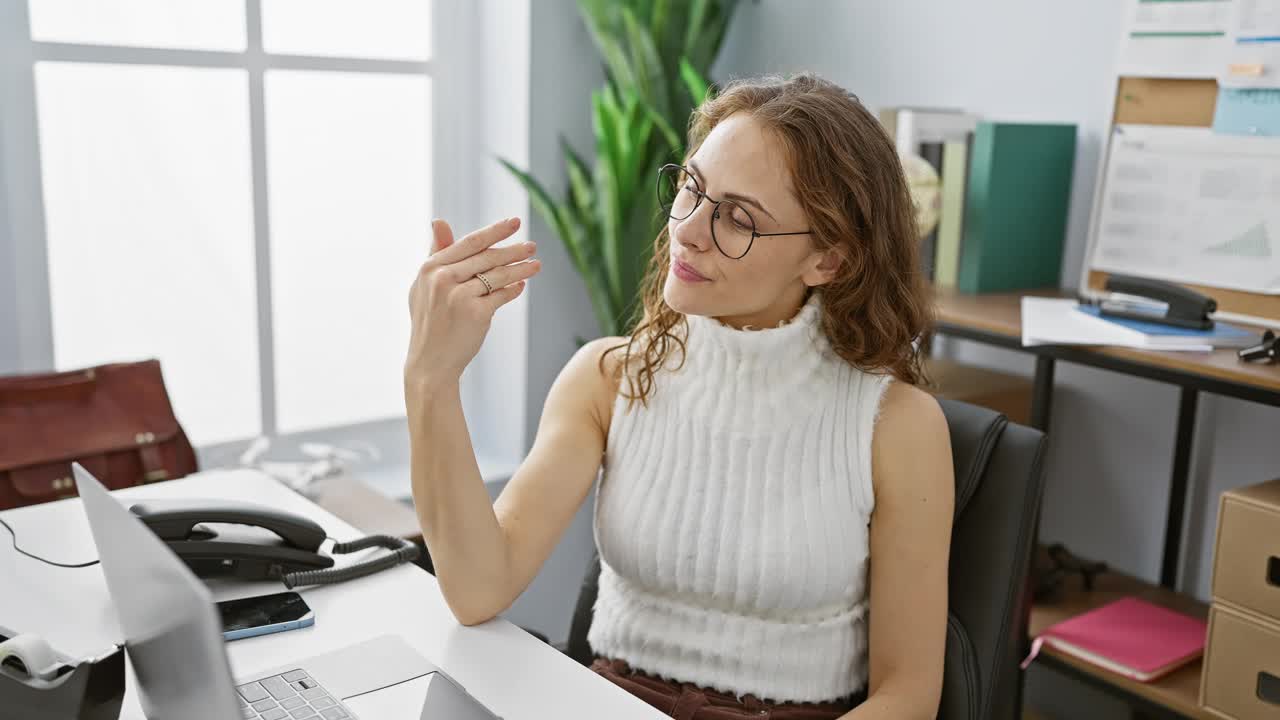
(1015, 217)
(955, 166)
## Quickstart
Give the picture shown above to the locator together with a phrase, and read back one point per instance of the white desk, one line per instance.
(511, 672)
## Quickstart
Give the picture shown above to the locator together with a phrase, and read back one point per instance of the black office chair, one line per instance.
(999, 481)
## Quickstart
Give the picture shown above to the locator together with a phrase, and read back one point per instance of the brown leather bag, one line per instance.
(113, 419)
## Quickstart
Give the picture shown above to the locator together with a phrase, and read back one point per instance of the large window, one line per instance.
(241, 189)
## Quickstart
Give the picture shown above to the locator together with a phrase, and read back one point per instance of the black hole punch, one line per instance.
(1269, 688)
(1267, 351)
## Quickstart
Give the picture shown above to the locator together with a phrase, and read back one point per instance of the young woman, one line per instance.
(761, 432)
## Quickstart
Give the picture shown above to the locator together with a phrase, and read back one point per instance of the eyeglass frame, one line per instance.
(715, 214)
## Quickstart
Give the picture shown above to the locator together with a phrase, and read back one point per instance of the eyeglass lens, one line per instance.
(680, 194)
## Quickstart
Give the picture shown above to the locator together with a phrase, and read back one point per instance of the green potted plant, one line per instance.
(657, 54)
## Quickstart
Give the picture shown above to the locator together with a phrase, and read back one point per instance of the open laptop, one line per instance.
(172, 636)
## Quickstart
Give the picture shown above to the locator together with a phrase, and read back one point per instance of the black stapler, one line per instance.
(1177, 306)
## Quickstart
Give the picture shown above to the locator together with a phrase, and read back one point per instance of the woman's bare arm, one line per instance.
(910, 552)
(485, 554)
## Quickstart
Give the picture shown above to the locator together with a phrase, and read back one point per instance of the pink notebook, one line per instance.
(1130, 636)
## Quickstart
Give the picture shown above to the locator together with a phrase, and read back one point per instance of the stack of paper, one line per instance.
(1053, 321)
(1221, 335)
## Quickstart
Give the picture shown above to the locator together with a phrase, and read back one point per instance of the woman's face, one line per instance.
(740, 160)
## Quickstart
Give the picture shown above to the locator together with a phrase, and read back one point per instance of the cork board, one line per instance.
(1165, 101)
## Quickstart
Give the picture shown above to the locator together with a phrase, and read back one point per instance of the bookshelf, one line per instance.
(1178, 692)
(995, 319)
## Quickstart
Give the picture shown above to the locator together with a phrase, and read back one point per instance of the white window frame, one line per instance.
(23, 238)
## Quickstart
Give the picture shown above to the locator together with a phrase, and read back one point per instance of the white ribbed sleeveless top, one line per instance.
(732, 516)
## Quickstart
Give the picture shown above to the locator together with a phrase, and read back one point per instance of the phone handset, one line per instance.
(239, 548)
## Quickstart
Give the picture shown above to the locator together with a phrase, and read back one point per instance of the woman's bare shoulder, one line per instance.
(912, 443)
(907, 405)
(593, 375)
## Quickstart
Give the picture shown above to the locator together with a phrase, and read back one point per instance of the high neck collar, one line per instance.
(777, 374)
(799, 335)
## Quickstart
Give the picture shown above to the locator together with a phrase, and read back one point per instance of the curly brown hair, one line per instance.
(856, 198)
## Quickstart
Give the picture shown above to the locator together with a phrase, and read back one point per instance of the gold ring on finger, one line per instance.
(488, 286)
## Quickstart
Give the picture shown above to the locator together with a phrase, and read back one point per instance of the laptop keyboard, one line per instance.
(289, 696)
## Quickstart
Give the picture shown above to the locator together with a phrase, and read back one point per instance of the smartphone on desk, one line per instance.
(264, 614)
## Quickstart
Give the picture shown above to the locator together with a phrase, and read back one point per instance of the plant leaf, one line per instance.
(579, 179)
(669, 134)
(657, 56)
(604, 24)
(708, 20)
(651, 80)
(608, 127)
(660, 11)
(601, 19)
(693, 34)
(716, 31)
(592, 273)
(693, 82)
(713, 35)
(610, 229)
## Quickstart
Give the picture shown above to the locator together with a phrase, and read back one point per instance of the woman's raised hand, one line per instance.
(454, 296)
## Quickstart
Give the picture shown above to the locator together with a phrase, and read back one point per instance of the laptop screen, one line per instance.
(170, 626)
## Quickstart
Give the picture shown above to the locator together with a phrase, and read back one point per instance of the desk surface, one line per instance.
(1000, 315)
(513, 673)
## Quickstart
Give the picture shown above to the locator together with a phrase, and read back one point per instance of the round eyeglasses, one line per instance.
(732, 228)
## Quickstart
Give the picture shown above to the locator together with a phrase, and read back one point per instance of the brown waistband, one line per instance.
(689, 702)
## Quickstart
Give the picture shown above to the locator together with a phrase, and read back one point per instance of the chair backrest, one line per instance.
(999, 481)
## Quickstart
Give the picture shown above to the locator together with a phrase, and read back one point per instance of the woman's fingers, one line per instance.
(483, 262)
(502, 276)
(441, 236)
(502, 296)
(477, 241)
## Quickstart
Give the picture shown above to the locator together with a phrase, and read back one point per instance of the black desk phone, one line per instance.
(254, 542)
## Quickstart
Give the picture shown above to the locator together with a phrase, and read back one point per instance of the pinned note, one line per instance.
(1248, 111)
(1253, 70)
(1185, 39)
(1253, 53)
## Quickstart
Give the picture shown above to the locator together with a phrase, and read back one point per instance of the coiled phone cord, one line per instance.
(402, 551)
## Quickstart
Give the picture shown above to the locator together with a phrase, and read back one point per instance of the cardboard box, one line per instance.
(1241, 677)
(1246, 564)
